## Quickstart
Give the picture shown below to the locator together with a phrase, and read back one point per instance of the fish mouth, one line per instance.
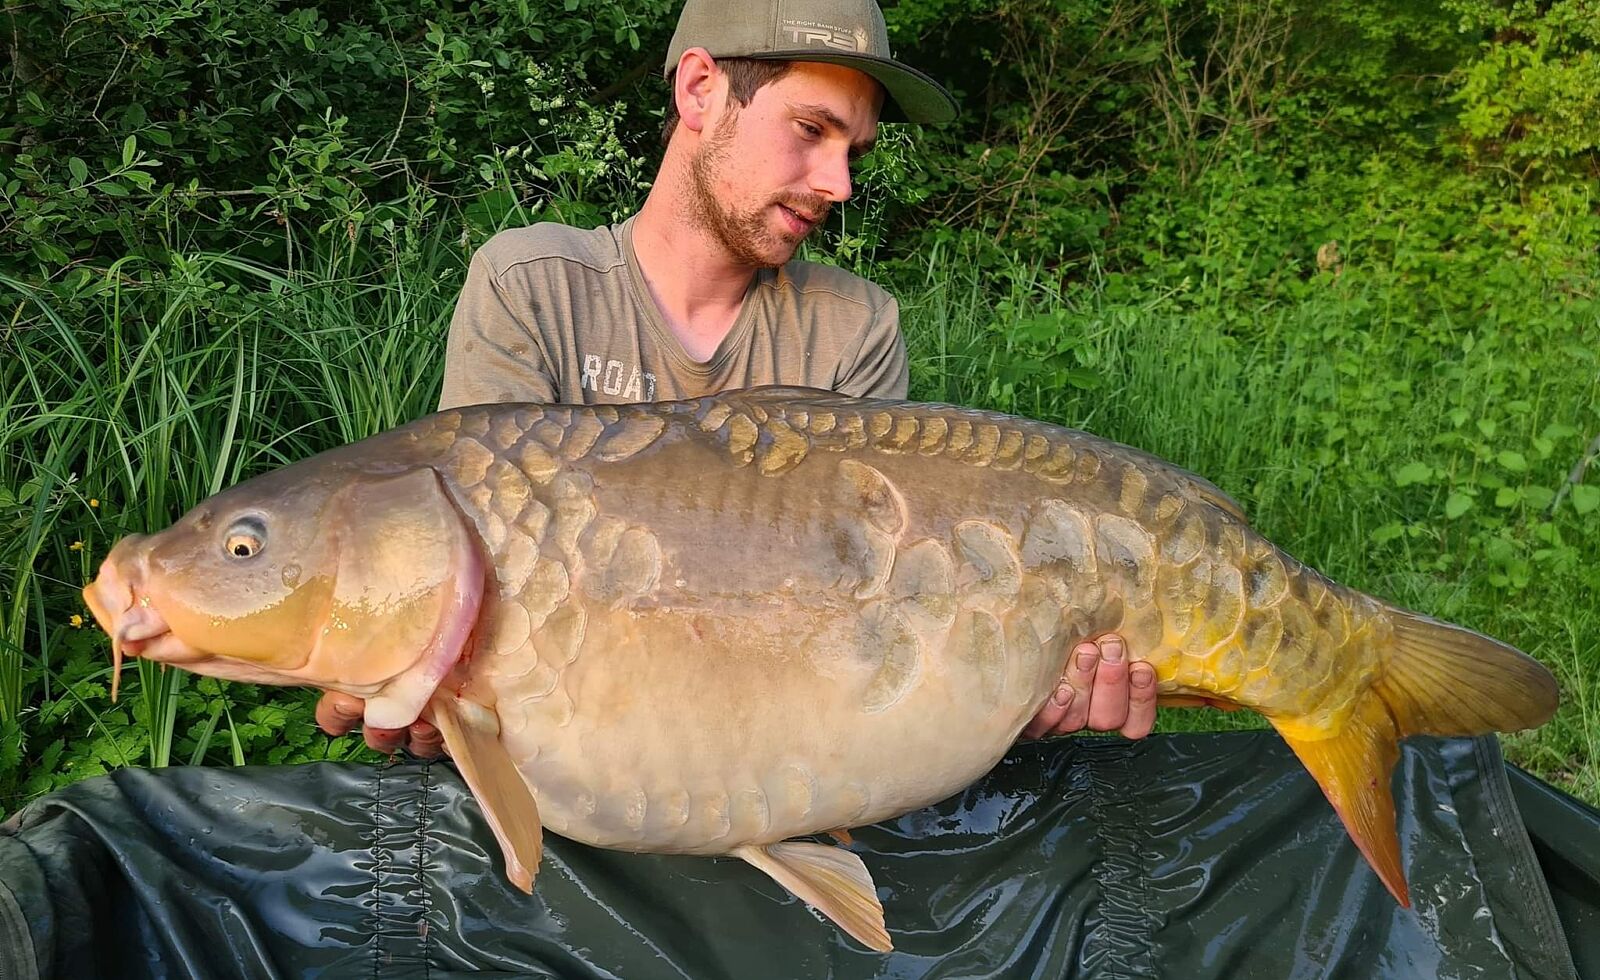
(135, 625)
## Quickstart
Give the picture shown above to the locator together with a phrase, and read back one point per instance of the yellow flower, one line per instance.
(94, 502)
(76, 622)
(76, 546)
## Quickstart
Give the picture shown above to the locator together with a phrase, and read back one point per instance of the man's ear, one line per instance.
(695, 86)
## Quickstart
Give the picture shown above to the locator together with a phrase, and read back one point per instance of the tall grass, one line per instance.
(149, 390)
(153, 386)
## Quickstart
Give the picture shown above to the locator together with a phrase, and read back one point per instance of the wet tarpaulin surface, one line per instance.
(1192, 856)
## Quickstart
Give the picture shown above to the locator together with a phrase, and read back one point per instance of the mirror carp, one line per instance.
(718, 625)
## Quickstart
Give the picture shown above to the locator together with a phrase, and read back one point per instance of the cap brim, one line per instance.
(913, 96)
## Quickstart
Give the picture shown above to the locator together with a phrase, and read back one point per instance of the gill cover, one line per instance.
(406, 593)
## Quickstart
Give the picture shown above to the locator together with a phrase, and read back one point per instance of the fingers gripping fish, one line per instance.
(714, 626)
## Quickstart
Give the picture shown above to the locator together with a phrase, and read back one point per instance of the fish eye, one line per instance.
(246, 537)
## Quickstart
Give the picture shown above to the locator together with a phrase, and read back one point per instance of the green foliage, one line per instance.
(1048, 89)
(126, 120)
(194, 373)
(1531, 97)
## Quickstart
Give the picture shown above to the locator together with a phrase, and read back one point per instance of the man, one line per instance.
(699, 293)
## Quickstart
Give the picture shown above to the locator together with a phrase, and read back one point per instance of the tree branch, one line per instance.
(1576, 476)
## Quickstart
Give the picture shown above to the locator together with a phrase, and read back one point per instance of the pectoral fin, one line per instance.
(830, 879)
(472, 736)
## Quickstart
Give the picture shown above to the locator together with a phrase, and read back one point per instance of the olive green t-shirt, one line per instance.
(551, 313)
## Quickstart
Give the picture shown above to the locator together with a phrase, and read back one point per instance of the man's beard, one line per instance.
(746, 235)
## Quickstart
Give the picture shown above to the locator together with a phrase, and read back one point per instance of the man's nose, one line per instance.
(831, 178)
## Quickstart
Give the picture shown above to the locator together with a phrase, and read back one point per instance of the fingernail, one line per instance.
(1086, 661)
(1111, 649)
(1143, 677)
(1063, 695)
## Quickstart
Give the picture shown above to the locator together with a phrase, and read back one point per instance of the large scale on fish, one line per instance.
(715, 626)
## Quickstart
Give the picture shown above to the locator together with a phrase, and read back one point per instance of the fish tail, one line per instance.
(1441, 679)
(1434, 679)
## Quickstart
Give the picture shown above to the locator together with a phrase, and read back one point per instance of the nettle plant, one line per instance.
(1503, 487)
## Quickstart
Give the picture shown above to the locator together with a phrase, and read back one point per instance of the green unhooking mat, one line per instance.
(1183, 856)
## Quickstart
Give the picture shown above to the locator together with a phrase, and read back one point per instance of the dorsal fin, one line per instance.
(784, 396)
(1214, 494)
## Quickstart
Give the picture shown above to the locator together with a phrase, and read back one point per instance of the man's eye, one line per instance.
(811, 131)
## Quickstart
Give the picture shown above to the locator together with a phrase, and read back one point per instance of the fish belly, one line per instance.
(693, 733)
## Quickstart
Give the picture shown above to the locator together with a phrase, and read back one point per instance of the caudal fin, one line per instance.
(1440, 679)
(1436, 679)
(1353, 768)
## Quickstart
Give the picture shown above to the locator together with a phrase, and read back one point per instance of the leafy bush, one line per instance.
(127, 120)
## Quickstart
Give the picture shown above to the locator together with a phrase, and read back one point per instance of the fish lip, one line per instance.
(134, 624)
(143, 632)
(108, 597)
(143, 624)
(167, 648)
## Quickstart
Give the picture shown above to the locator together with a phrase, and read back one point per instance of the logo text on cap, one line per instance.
(812, 34)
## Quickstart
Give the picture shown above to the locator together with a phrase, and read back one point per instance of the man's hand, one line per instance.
(1100, 690)
(339, 714)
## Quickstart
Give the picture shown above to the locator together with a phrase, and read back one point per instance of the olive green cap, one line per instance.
(838, 32)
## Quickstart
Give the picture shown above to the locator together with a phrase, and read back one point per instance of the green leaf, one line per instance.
(51, 756)
(114, 189)
(1487, 427)
(1085, 379)
(10, 746)
(129, 147)
(1513, 461)
(1585, 498)
(1458, 504)
(1412, 473)
(49, 253)
(79, 169)
(1538, 498)
(1507, 496)
(1388, 532)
